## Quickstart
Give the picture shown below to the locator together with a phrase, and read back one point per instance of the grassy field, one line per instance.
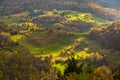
(10, 20)
(49, 47)
(87, 17)
(55, 47)
(14, 18)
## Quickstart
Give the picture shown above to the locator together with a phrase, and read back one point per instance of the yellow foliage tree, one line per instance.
(103, 73)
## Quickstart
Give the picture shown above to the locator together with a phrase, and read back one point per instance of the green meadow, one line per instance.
(87, 17)
(9, 20)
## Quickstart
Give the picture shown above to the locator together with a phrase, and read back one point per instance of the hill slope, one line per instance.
(110, 3)
(16, 6)
(108, 36)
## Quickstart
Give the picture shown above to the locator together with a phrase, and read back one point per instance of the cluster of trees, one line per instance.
(81, 25)
(16, 62)
(60, 22)
(6, 42)
(25, 27)
(6, 29)
(11, 10)
(21, 65)
(5, 38)
(48, 20)
(108, 36)
(77, 69)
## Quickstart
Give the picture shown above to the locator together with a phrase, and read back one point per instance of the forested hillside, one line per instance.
(59, 40)
(108, 35)
(79, 5)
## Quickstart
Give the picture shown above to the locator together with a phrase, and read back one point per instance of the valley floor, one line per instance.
(78, 43)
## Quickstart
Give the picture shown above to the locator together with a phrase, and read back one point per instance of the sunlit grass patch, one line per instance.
(80, 16)
(75, 15)
(55, 48)
(52, 49)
